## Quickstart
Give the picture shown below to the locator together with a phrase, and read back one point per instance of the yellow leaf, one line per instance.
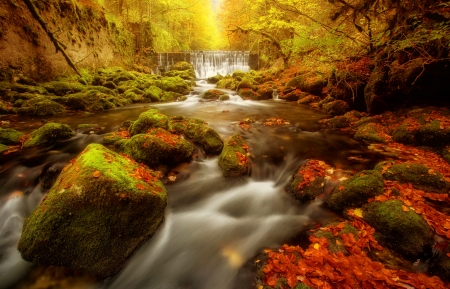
(358, 213)
(316, 246)
(343, 179)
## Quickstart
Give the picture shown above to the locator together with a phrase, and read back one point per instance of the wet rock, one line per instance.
(49, 134)
(234, 160)
(214, 79)
(183, 69)
(420, 176)
(247, 93)
(404, 232)
(101, 208)
(310, 82)
(41, 106)
(355, 191)
(88, 127)
(151, 118)
(153, 93)
(9, 136)
(170, 96)
(371, 133)
(157, 147)
(3, 148)
(335, 243)
(62, 88)
(309, 181)
(228, 83)
(205, 136)
(214, 94)
(336, 107)
(93, 100)
(113, 137)
(174, 84)
(292, 95)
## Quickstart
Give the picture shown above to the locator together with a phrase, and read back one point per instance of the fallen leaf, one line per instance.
(316, 246)
(97, 174)
(405, 208)
(358, 213)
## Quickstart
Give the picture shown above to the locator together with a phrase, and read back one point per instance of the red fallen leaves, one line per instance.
(310, 170)
(143, 173)
(171, 139)
(275, 121)
(244, 125)
(243, 159)
(317, 267)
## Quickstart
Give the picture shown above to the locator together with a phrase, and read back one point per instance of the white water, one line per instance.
(211, 63)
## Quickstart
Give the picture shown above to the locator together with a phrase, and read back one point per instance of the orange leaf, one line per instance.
(97, 174)
(341, 188)
(140, 186)
(405, 208)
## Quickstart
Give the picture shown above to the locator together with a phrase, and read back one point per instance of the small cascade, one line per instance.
(210, 63)
(275, 94)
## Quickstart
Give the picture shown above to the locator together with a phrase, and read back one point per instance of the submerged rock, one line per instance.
(355, 191)
(233, 160)
(404, 232)
(49, 134)
(102, 207)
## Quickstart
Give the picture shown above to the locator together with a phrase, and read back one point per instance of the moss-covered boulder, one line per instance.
(183, 69)
(336, 107)
(170, 96)
(335, 242)
(214, 94)
(372, 133)
(248, 93)
(41, 107)
(214, 79)
(153, 93)
(308, 182)
(49, 134)
(113, 137)
(433, 134)
(227, 83)
(9, 136)
(204, 135)
(420, 176)
(123, 76)
(234, 160)
(62, 88)
(151, 118)
(29, 88)
(100, 210)
(174, 84)
(3, 148)
(403, 135)
(404, 232)
(307, 99)
(157, 147)
(94, 100)
(355, 191)
(309, 82)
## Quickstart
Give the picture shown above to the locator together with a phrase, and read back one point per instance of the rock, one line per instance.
(62, 88)
(170, 96)
(233, 160)
(124, 76)
(113, 137)
(420, 176)
(9, 136)
(355, 191)
(151, 118)
(153, 93)
(214, 79)
(157, 147)
(336, 107)
(247, 93)
(87, 127)
(335, 243)
(293, 95)
(29, 88)
(49, 134)
(349, 87)
(100, 210)
(93, 100)
(238, 75)
(228, 83)
(174, 84)
(404, 232)
(182, 69)
(205, 136)
(309, 188)
(109, 84)
(3, 148)
(371, 133)
(309, 82)
(308, 99)
(214, 94)
(40, 106)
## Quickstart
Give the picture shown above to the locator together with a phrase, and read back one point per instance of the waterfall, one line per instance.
(211, 63)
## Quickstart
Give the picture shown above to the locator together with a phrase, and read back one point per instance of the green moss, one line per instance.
(214, 79)
(29, 88)
(403, 232)
(158, 147)
(336, 107)
(123, 76)
(95, 215)
(420, 176)
(41, 108)
(170, 96)
(247, 93)
(432, 135)
(309, 191)
(3, 148)
(204, 135)
(402, 135)
(93, 100)
(149, 119)
(62, 88)
(369, 133)
(112, 138)
(340, 121)
(174, 84)
(186, 75)
(233, 160)
(101, 89)
(49, 134)
(213, 94)
(238, 74)
(153, 93)
(227, 83)
(357, 190)
(9, 136)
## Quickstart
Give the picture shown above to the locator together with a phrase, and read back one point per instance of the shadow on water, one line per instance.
(213, 225)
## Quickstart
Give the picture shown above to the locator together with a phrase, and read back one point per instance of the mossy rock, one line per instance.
(404, 232)
(94, 100)
(3, 148)
(153, 93)
(403, 135)
(336, 107)
(29, 88)
(446, 154)
(333, 240)
(432, 135)
(133, 97)
(157, 147)
(324, 101)
(356, 190)
(101, 89)
(227, 83)
(170, 96)
(307, 99)
(369, 133)
(247, 93)
(174, 84)
(124, 76)
(151, 118)
(9, 136)
(182, 66)
(340, 121)
(309, 82)
(247, 82)
(62, 88)
(420, 176)
(440, 266)
(109, 84)
(49, 134)
(214, 94)
(238, 75)
(186, 75)
(113, 137)
(42, 108)
(233, 160)
(308, 191)
(96, 215)
(214, 79)
(205, 136)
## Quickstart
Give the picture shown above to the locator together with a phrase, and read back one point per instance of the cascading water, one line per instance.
(211, 63)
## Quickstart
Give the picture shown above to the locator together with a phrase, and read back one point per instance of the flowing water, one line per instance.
(213, 225)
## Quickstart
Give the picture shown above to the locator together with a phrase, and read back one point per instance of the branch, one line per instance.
(58, 45)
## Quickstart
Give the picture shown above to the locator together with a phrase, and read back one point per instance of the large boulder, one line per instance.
(310, 82)
(355, 191)
(100, 210)
(175, 84)
(49, 134)
(41, 106)
(214, 94)
(403, 231)
(234, 160)
(94, 100)
(157, 147)
(151, 118)
(9, 136)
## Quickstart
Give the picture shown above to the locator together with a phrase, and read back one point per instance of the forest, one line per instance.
(224, 144)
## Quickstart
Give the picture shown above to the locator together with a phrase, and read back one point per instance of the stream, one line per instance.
(213, 225)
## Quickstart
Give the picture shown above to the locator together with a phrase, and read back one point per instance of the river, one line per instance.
(213, 225)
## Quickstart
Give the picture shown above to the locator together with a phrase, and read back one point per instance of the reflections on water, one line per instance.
(213, 225)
